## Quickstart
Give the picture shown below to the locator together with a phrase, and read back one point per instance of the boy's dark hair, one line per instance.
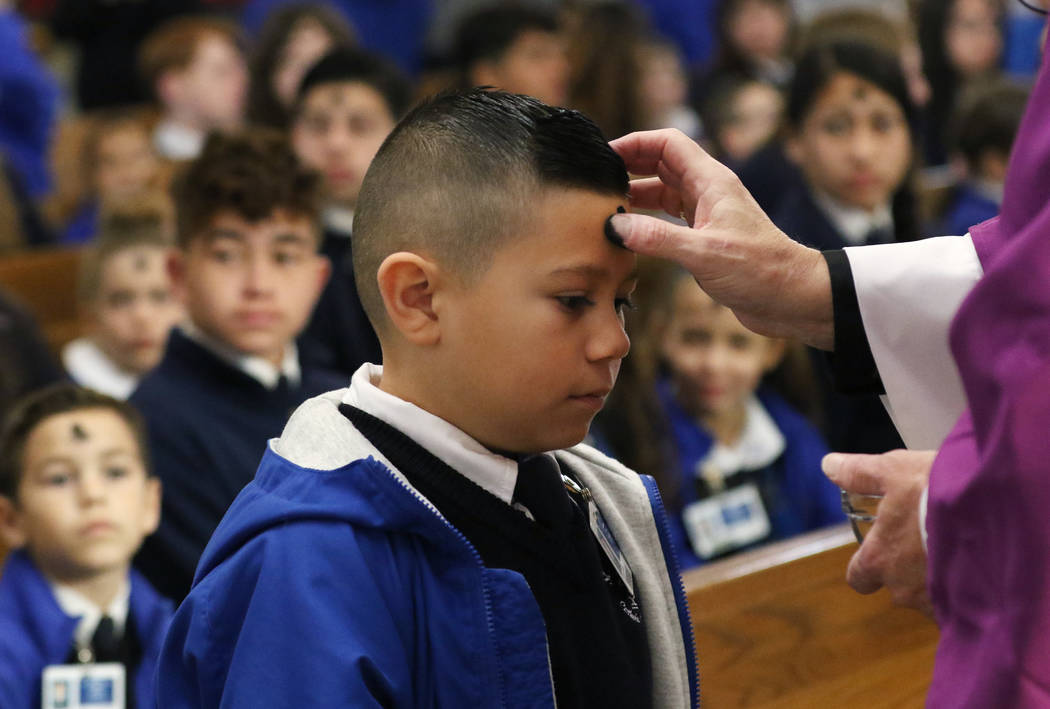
(488, 33)
(251, 173)
(349, 64)
(457, 177)
(987, 118)
(62, 398)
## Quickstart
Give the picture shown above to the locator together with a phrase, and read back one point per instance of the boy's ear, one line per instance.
(12, 536)
(774, 353)
(407, 283)
(168, 87)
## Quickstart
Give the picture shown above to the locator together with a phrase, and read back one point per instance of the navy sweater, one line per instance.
(339, 336)
(208, 425)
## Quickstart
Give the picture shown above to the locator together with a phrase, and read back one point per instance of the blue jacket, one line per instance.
(34, 632)
(344, 588)
(805, 498)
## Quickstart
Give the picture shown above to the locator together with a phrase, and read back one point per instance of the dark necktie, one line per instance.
(105, 645)
(540, 489)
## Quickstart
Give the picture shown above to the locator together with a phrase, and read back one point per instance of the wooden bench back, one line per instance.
(779, 627)
(45, 281)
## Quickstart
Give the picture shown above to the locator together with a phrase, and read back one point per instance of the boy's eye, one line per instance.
(740, 342)
(115, 472)
(223, 255)
(159, 296)
(574, 302)
(119, 299)
(883, 123)
(836, 126)
(57, 479)
(696, 337)
(287, 258)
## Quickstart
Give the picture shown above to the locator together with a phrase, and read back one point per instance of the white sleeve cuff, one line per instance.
(908, 294)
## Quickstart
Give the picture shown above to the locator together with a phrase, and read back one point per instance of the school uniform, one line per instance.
(770, 479)
(42, 625)
(339, 336)
(855, 423)
(90, 367)
(209, 412)
(972, 203)
(426, 571)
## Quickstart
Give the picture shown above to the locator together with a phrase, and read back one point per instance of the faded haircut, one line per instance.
(456, 179)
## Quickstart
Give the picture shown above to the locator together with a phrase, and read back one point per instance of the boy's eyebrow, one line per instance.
(290, 237)
(591, 271)
(215, 234)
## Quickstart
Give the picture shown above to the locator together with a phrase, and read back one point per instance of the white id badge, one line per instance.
(607, 542)
(89, 686)
(726, 521)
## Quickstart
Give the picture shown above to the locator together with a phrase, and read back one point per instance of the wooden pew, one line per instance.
(779, 627)
(45, 281)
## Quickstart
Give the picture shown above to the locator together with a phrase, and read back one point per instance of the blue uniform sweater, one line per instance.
(208, 423)
(34, 632)
(804, 498)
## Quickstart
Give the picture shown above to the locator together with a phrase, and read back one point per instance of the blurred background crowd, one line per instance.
(851, 122)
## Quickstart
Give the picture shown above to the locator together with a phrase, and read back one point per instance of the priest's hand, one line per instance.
(773, 284)
(892, 554)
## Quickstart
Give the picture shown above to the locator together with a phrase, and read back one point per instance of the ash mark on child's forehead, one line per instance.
(860, 93)
(79, 432)
(141, 262)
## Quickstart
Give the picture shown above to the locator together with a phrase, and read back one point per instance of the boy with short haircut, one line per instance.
(126, 302)
(347, 105)
(247, 270)
(76, 500)
(424, 531)
(516, 48)
(985, 123)
(196, 70)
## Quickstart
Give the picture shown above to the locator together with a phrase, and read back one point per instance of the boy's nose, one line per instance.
(259, 276)
(91, 488)
(610, 341)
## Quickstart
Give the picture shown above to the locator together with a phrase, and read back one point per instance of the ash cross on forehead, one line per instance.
(79, 432)
(860, 93)
(141, 262)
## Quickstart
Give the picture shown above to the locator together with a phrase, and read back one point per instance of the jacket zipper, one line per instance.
(660, 514)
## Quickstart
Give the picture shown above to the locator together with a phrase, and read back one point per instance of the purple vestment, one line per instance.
(989, 506)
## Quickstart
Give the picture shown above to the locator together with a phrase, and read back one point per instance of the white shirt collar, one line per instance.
(495, 473)
(177, 142)
(760, 443)
(258, 368)
(76, 605)
(90, 367)
(338, 220)
(852, 222)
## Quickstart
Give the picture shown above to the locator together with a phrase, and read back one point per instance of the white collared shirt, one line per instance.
(853, 223)
(338, 220)
(177, 142)
(760, 443)
(495, 473)
(90, 367)
(76, 605)
(258, 368)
